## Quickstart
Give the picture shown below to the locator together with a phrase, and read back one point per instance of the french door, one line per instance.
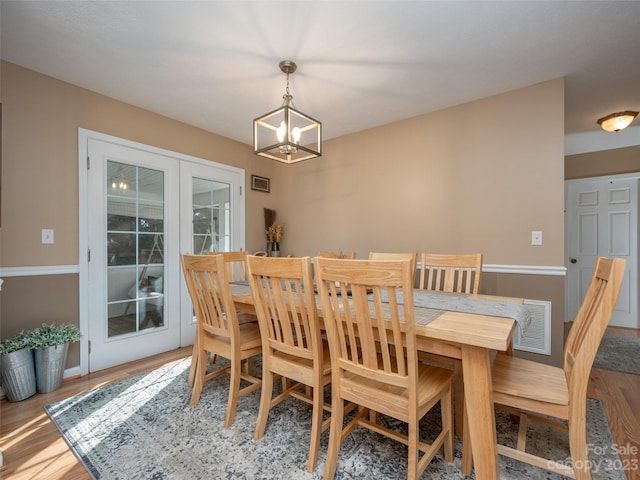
(145, 206)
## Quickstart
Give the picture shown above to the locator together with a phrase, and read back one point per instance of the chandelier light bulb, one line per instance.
(280, 132)
(297, 133)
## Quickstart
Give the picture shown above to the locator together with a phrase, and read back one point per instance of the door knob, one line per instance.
(573, 260)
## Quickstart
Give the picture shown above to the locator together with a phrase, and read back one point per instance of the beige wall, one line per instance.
(605, 162)
(477, 177)
(40, 166)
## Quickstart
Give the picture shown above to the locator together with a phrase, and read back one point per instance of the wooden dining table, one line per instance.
(470, 337)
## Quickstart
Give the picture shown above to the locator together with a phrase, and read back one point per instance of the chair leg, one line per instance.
(579, 451)
(316, 428)
(458, 398)
(414, 432)
(335, 436)
(265, 404)
(200, 371)
(447, 423)
(234, 392)
(467, 453)
(194, 364)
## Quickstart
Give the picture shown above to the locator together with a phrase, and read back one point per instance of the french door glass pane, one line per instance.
(211, 216)
(135, 248)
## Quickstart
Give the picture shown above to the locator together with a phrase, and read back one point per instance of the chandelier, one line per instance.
(119, 183)
(617, 121)
(286, 134)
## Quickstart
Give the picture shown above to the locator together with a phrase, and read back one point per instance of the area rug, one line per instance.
(619, 353)
(144, 428)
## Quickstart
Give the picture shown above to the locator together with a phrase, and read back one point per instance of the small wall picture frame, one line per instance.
(261, 184)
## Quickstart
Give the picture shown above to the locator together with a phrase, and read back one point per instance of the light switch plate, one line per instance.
(47, 235)
(536, 237)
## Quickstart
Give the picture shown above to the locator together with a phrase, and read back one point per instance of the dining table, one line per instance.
(465, 327)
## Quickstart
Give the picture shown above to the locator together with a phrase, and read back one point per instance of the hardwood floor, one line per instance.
(33, 448)
(31, 444)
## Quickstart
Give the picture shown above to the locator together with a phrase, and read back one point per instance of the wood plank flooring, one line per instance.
(33, 448)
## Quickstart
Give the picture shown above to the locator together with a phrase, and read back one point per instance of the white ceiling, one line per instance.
(214, 64)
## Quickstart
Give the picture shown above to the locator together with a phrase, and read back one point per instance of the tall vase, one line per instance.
(275, 249)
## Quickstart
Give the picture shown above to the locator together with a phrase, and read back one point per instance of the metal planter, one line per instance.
(49, 365)
(17, 374)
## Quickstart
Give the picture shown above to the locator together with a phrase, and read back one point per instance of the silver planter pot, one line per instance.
(49, 364)
(17, 375)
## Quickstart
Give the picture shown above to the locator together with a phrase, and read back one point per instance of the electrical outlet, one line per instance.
(47, 235)
(536, 237)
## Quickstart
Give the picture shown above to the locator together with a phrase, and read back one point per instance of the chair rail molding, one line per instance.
(38, 270)
(490, 268)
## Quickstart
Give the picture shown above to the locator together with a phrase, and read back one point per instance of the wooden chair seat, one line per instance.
(249, 340)
(512, 378)
(393, 400)
(301, 369)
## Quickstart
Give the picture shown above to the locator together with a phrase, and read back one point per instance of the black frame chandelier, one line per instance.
(286, 134)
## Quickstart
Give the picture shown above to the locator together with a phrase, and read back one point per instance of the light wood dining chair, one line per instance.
(235, 271)
(455, 273)
(218, 330)
(397, 256)
(530, 389)
(374, 358)
(460, 273)
(292, 344)
(340, 254)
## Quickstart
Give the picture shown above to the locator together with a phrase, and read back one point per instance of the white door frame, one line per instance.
(83, 222)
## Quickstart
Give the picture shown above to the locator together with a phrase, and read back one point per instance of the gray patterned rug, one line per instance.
(619, 353)
(143, 428)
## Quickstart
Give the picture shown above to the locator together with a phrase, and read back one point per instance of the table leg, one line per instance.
(476, 375)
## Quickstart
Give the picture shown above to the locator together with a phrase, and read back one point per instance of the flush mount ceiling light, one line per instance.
(617, 121)
(286, 134)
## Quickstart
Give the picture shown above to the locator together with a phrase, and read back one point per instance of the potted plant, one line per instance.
(51, 345)
(17, 371)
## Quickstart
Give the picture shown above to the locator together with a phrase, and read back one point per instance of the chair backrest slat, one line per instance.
(460, 273)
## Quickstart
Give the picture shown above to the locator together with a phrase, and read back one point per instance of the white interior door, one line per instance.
(140, 208)
(602, 220)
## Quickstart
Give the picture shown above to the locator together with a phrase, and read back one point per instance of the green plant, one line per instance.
(52, 335)
(14, 344)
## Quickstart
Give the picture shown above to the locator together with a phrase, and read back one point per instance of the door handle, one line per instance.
(573, 260)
